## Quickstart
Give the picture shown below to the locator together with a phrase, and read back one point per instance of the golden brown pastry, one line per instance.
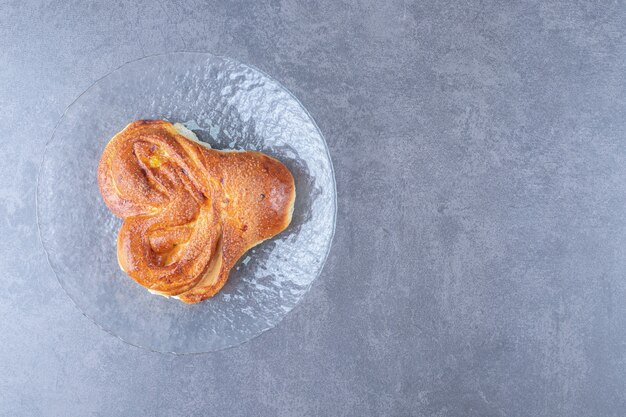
(190, 212)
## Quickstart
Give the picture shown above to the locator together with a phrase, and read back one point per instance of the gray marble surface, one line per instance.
(479, 263)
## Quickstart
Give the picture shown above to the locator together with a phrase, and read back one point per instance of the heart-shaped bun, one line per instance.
(190, 212)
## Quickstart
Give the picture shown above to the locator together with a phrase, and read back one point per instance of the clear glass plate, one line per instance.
(228, 105)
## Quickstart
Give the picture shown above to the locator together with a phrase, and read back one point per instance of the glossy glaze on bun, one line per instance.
(190, 212)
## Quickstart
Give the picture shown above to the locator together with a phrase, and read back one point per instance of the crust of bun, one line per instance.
(190, 212)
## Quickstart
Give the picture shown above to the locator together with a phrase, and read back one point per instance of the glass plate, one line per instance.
(228, 105)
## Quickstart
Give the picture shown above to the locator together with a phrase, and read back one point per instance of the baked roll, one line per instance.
(190, 212)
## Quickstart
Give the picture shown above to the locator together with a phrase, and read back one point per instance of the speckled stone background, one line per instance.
(479, 264)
